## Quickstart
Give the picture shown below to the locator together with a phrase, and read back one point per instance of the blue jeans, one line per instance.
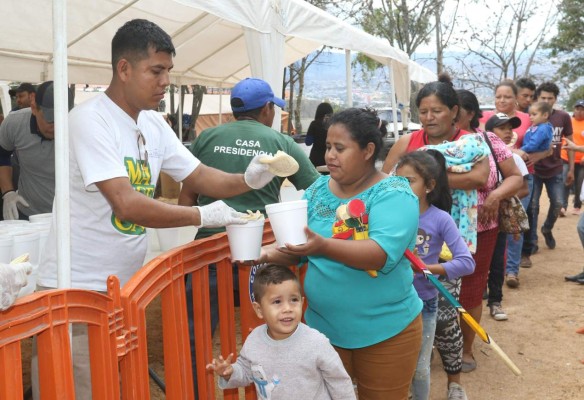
(421, 383)
(554, 187)
(580, 229)
(514, 245)
(577, 185)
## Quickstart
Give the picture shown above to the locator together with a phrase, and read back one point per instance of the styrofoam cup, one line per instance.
(288, 221)
(40, 217)
(6, 248)
(26, 242)
(167, 238)
(245, 241)
(31, 281)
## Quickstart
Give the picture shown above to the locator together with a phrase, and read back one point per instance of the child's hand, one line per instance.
(222, 367)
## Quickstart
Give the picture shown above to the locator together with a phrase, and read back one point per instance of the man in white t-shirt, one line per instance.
(118, 147)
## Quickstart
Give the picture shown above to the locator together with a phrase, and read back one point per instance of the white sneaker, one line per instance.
(456, 392)
(497, 312)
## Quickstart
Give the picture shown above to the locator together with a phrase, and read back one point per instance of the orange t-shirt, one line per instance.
(578, 129)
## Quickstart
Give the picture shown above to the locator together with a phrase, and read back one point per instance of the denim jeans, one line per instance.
(421, 383)
(497, 270)
(555, 189)
(514, 245)
(577, 185)
(580, 229)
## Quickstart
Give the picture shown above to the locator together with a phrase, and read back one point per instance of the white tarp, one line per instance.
(213, 45)
(218, 43)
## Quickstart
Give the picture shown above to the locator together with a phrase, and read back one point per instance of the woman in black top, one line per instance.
(317, 134)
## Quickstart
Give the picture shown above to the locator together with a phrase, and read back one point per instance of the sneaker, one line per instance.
(512, 281)
(576, 211)
(497, 312)
(456, 392)
(525, 262)
(562, 212)
(550, 242)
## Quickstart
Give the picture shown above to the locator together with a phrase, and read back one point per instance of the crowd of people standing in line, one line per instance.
(441, 184)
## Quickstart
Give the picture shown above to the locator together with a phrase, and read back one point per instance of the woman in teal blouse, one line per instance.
(373, 322)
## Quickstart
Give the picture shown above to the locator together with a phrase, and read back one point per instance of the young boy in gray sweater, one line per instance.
(284, 358)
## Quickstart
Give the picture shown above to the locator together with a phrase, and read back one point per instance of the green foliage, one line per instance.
(575, 95)
(568, 44)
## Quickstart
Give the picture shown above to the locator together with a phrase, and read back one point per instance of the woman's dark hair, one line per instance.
(442, 89)
(322, 110)
(469, 102)
(363, 125)
(431, 165)
(509, 83)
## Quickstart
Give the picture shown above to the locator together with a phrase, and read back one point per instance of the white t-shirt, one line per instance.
(520, 164)
(105, 144)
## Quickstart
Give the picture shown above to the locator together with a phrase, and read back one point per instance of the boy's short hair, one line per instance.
(543, 107)
(271, 275)
(525, 83)
(549, 87)
(133, 40)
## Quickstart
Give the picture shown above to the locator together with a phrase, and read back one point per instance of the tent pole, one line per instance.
(180, 110)
(61, 144)
(393, 103)
(349, 78)
(220, 103)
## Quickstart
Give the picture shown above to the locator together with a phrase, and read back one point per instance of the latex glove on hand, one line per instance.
(257, 174)
(9, 208)
(13, 277)
(218, 214)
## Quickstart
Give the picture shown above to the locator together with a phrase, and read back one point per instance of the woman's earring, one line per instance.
(427, 190)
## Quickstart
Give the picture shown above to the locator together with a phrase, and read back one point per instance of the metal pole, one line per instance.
(349, 78)
(61, 144)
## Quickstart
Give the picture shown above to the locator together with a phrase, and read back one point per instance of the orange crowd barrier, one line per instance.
(48, 315)
(118, 335)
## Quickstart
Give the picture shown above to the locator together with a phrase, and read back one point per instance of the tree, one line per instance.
(507, 45)
(575, 95)
(568, 44)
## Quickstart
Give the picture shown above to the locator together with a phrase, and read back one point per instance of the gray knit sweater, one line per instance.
(303, 366)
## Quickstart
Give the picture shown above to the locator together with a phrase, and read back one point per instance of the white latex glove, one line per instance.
(9, 208)
(257, 174)
(13, 277)
(219, 214)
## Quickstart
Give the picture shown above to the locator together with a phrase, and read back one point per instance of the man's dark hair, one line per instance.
(525, 83)
(549, 87)
(271, 275)
(249, 114)
(133, 40)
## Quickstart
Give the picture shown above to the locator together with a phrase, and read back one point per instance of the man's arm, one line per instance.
(6, 178)
(571, 158)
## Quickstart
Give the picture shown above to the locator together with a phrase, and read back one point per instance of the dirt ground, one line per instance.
(544, 313)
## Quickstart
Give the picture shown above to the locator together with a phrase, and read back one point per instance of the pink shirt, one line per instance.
(502, 153)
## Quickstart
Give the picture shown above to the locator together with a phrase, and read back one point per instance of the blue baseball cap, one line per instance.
(252, 93)
(579, 103)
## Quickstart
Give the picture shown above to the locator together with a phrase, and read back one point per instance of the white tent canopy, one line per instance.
(218, 43)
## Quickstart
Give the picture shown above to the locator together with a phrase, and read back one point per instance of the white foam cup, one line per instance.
(41, 217)
(31, 280)
(288, 221)
(26, 242)
(245, 241)
(6, 248)
(167, 238)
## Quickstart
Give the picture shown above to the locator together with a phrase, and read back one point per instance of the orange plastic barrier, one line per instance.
(165, 276)
(118, 333)
(48, 315)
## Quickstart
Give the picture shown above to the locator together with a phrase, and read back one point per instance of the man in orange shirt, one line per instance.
(578, 128)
